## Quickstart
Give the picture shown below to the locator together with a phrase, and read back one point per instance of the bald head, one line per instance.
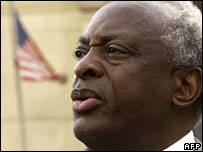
(133, 12)
(131, 19)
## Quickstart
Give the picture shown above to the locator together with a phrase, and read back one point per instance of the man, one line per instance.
(138, 80)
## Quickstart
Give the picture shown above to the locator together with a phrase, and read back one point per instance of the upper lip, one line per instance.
(83, 94)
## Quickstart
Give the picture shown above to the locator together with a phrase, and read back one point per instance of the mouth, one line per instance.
(85, 100)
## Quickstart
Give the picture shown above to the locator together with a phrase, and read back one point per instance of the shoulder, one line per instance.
(198, 141)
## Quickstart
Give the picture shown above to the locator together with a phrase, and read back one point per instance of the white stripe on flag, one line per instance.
(33, 66)
(33, 75)
(30, 74)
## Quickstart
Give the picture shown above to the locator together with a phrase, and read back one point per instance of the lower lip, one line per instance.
(87, 105)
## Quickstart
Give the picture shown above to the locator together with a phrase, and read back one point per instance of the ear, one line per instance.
(188, 84)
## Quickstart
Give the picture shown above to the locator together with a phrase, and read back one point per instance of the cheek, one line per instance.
(125, 82)
(140, 94)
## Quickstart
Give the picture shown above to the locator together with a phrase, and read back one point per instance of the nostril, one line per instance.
(92, 73)
(89, 73)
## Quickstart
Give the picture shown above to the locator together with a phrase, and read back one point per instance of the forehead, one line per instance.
(125, 21)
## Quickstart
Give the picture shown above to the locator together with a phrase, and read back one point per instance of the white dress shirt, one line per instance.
(179, 145)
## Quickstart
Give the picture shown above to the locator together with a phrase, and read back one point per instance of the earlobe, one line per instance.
(188, 87)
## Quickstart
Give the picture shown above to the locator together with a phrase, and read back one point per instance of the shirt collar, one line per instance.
(179, 145)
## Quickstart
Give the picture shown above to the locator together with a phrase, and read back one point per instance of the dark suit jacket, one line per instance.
(198, 141)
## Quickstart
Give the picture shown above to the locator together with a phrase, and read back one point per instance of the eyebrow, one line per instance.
(83, 40)
(103, 39)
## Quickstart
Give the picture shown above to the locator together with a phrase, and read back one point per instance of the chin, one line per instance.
(84, 129)
(92, 134)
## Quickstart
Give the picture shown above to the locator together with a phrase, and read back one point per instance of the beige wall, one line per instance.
(55, 27)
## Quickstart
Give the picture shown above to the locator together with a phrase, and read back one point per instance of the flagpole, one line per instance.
(18, 83)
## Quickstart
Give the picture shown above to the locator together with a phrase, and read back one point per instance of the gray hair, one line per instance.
(185, 42)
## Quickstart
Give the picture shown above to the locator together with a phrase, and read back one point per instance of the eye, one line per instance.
(116, 52)
(79, 54)
(112, 50)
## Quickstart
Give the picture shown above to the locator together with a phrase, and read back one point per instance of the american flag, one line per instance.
(29, 59)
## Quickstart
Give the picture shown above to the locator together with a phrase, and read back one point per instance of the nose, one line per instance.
(89, 67)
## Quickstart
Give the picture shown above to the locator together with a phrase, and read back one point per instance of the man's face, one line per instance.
(123, 61)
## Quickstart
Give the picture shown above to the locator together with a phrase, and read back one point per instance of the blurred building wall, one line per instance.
(55, 27)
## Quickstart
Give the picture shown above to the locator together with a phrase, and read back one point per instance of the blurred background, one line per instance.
(55, 27)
